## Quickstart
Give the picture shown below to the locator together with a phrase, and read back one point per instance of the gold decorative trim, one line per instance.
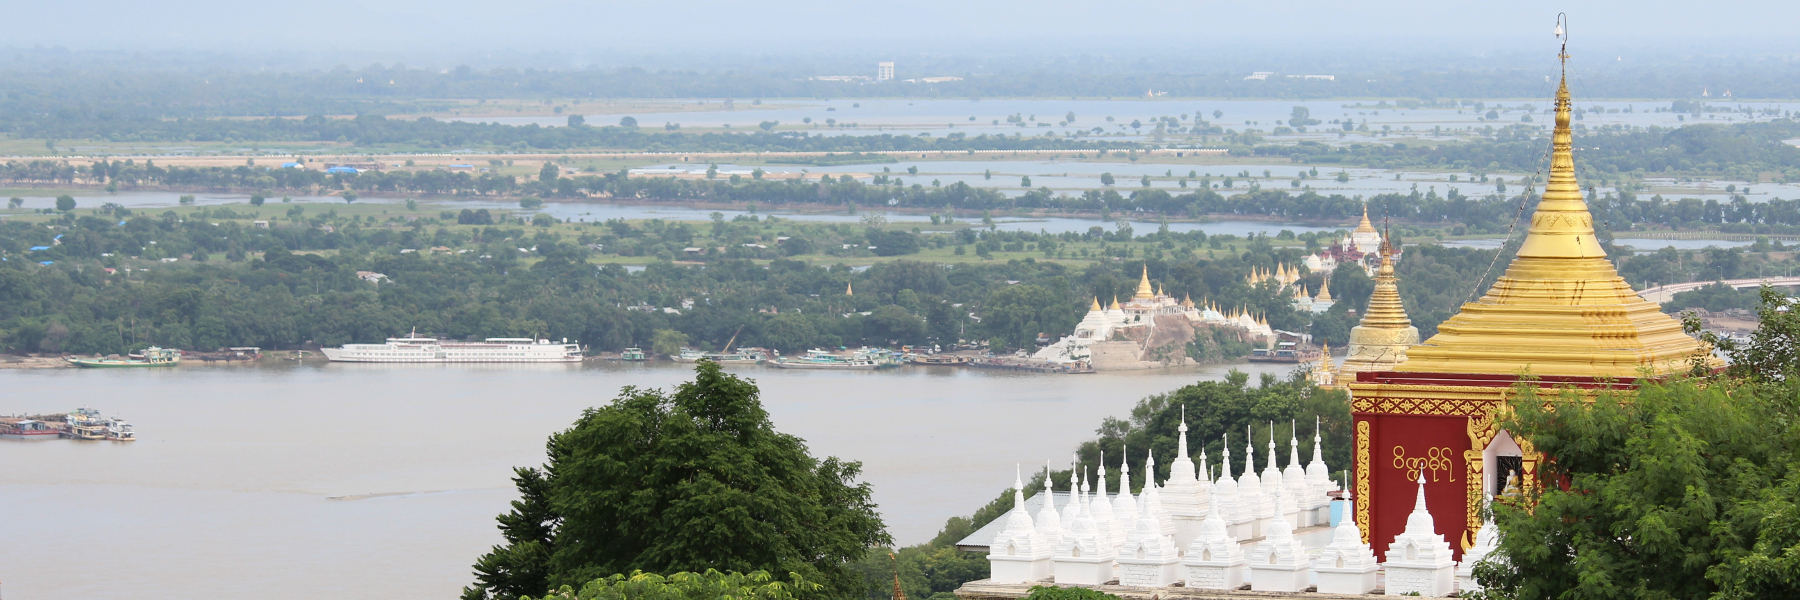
(1477, 490)
(1423, 406)
(1362, 478)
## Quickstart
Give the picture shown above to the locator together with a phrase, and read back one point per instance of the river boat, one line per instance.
(861, 360)
(633, 355)
(414, 349)
(740, 357)
(1284, 352)
(938, 360)
(86, 424)
(28, 429)
(120, 431)
(150, 357)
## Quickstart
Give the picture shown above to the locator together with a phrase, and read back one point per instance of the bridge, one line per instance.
(1663, 293)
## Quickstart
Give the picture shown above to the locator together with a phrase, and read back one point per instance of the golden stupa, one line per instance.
(1381, 340)
(1365, 226)
(1144, 291)
(1561, 308)
(1324, 290)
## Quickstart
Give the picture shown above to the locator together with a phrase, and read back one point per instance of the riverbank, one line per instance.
(32, 361)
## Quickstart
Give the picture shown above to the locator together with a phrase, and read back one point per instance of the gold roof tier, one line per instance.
(1144, 292)
(1324, 290)
(1561, 308)
(1385, 333)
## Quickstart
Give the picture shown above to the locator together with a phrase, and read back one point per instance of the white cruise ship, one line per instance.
(415, 349)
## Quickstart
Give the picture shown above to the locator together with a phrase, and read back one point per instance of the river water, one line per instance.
(318, 481)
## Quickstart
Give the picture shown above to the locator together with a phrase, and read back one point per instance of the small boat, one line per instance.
(86, 424)
(87, 432)
(633, 354)
(1284, 352)
(150, 357)
(120, 431)
(28, 429)
(740, 357)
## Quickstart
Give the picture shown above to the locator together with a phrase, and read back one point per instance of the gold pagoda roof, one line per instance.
(1144, 291)
(1561, 308)
(1324, 290)
(1385, 334)
(1365, 226)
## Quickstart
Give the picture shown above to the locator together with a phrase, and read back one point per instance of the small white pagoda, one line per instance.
(1214, 561)
(1487, 539)
(1419, 560)
(1085, 556)
(1279, 563)
(1016, 556)
(1184, 495)
(1148, 558)
(1346, 565)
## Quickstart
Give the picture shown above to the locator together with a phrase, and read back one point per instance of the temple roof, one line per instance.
(1385, 334)
(1561, 308)
(1365, 226)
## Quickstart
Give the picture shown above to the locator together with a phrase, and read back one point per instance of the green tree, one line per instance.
(1025, 181)
(255, 199)
(692, 480)
(548, 173)
(668, 341)
(711, 585)
(1106, 178)
(577, 120)
(15, 202)
(531, 202)
(628, 122)
(65, 203)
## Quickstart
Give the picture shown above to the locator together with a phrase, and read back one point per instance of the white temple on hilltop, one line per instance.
(1199, 530)
(1364, 241)
(1129, 324)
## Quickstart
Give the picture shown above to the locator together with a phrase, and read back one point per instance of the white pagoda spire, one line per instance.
(1016, 554)
(1251, 498)
(1347, 565)
(1102, 508)
(1279, 563)
(1225, 489)
(1073, 509)
(1084, 556)
(1049, 524)
(1318, 476)
(1419, 560)
(1487, 540)
(1124, 506)
(1148, 558)
(1293, 477)
(1153, 496)
(1214, 560)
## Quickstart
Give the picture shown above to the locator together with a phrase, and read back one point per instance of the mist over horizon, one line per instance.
(809, 34)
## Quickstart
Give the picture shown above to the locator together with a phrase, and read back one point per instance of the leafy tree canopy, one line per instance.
(711, 585)
(691, 480)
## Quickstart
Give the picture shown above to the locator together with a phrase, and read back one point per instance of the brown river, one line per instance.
(362, 481)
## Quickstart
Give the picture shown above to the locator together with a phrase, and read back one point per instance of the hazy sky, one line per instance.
(460, 29)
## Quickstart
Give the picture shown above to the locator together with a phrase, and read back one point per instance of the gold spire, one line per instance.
(1385, 334)
(1096, 305)
(1365, 226)
(849, 291)
(1561, 307)
(1324, 290)
(1144, 292)
(1115, 304)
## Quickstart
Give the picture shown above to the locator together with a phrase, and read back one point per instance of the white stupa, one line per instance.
(1226, 494)
(1085, 556)
(1294, 477)
(1419, 560)
(1183, 491)
(1318, 477)
(1125, 506)
(1487, 539)
(1347, 565)
(1102, 508)
(1148, 558)
(1250, 494)
(1214, 561)
(1049, 524)
(1279, 563)
(1015, 555)
(1074, 508)
(1152, 497)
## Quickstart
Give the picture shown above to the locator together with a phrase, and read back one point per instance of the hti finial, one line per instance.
(1562, 33)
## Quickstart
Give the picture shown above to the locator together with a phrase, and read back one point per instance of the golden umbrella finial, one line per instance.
(898, 595)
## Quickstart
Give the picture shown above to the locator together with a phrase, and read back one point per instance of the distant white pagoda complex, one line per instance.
(1121, 335)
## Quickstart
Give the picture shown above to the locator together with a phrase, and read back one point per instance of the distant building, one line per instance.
(884, 70)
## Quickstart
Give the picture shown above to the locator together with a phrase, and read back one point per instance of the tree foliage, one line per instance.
(691, 480)
(710, 585)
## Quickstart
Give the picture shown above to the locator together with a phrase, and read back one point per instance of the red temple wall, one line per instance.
(1402, 448)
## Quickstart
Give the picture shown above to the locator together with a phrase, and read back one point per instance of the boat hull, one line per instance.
(31, 435)
(91, 363)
